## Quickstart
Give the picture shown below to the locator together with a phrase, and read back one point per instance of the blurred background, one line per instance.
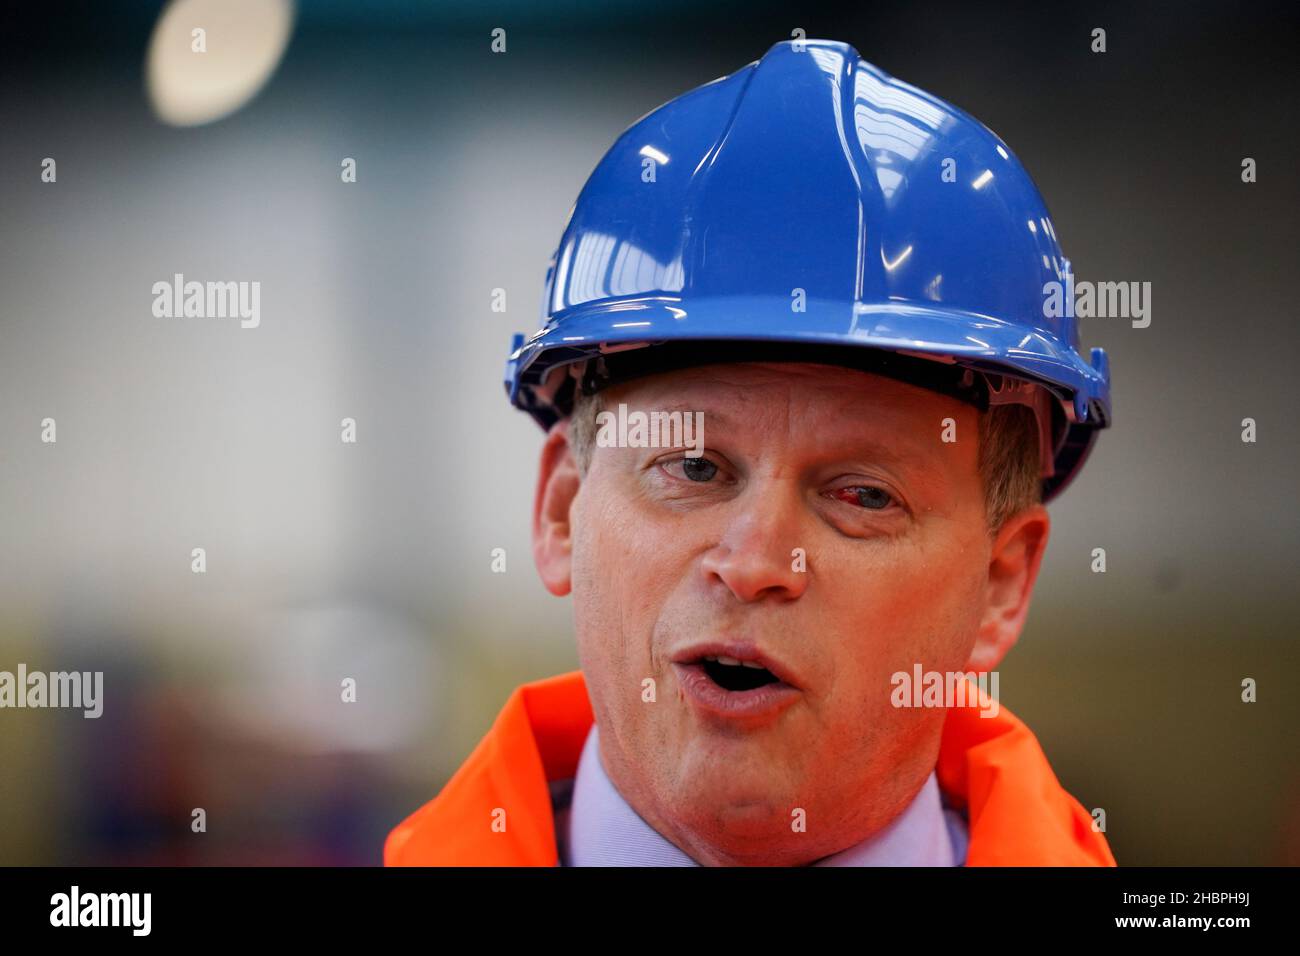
(372, 560)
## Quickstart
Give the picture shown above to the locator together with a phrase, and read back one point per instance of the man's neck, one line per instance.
(600, 828)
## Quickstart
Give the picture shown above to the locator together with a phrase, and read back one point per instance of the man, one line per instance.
(839, 279)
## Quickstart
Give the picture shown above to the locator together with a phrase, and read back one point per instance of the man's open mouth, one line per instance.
(734, 688)
(731, 674)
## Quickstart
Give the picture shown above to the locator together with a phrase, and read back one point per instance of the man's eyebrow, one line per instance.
(863, 446)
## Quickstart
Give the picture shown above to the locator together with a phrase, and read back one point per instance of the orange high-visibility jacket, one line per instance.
(1019, 815)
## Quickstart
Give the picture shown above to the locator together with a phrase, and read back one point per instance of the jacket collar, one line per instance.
(496, 810)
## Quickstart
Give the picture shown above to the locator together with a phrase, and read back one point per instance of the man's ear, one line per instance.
(1013, 568)
(557, 485)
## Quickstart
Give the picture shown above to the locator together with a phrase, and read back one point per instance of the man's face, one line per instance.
(668, 552)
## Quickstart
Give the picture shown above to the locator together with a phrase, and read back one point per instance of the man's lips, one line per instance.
(742, 653)
(734, 679)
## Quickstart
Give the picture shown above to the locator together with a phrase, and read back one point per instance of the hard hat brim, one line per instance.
(942, 334)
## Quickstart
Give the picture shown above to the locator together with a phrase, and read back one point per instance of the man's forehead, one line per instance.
(772, 386)
(816, 411)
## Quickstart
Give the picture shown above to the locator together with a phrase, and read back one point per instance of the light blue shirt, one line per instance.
(596, 826)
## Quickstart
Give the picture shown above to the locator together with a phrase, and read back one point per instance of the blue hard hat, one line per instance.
(811, 206)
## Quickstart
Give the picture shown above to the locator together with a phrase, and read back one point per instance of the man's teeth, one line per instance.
(732, 662)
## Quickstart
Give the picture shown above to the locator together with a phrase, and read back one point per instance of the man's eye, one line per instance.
(698, 469)
(866, 496)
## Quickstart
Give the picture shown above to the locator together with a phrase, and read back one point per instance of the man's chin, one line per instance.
(722, 831)
(744, 804)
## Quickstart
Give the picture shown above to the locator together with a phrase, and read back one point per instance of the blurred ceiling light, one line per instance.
(243, 42)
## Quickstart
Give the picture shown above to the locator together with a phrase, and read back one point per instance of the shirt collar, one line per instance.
(600, 828)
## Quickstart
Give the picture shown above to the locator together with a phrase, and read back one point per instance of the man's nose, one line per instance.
(756, 556)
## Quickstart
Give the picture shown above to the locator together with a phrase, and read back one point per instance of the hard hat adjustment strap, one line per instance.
(1005, 390)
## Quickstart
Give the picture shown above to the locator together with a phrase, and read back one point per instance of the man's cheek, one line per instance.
(598, 543)
(897, 628)
(937, 588)
(955, 617)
